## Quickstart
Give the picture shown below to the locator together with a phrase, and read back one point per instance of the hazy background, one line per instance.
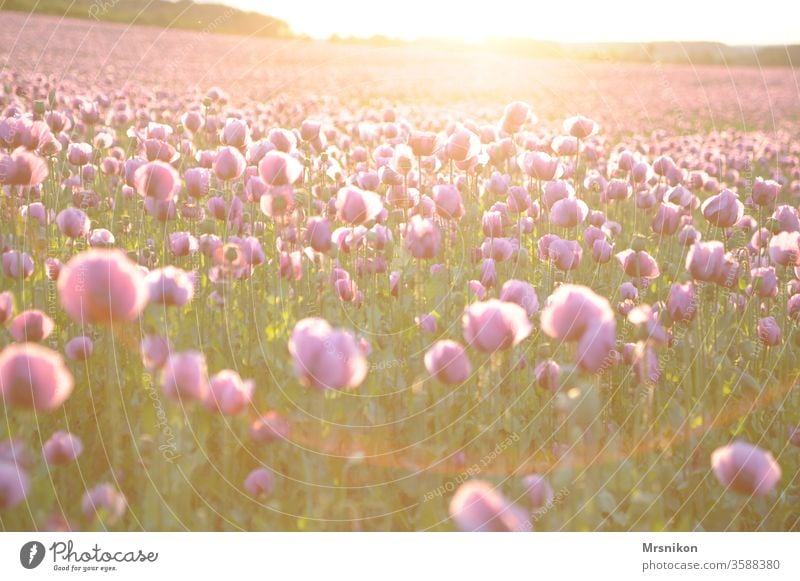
(767, 22)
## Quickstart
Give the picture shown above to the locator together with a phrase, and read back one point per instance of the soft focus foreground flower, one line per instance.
(185, 376)
(326, 358)
(495, 325)
(548, 374)
(170, 286)
(746, 469)
(32, 325)
(447, 361)
(102, 286)
(477, 506)
(14, 485)
(228, 393)
(62, 448)
(520, 293)
(104, 502)
(155, 351)
(260, 482)
(422, 238)
(34, 377)
(73, 223)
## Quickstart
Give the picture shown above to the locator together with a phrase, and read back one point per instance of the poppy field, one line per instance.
(272, 285)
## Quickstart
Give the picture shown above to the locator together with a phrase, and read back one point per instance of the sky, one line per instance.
(731, 22)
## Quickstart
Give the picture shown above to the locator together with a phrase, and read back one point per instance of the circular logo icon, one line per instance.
(31, 554)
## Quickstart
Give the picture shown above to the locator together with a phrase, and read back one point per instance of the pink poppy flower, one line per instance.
(638, 264)
(723, 209)
(318, 234)
(520, 293)
(477, 506)
(106, 502)
(422, 238)
(79, 348)
(568, 212)
(356, 206)
(784, 249)
(540, 166)
(576, 313)
(548, 375)
(495, 325)
(681, 302)
(73, 223)
(769, 332)
(448, 201)
(277, 168)
(745, 468)
(259, 483)
(14, 485)
(102, 286)
(32, 376)
(565, 254)
(229, 394)
(326, 358)
(170, 286)
(185, 376)
(22, 168)
(155, 351)
(667, 219)
(157, 180)
(198, 181)
(447, 361)
(31, 325)
(765, 193)
(426, 323)
(62, 448)
(462, 144)
(229, 163)
(580, 127)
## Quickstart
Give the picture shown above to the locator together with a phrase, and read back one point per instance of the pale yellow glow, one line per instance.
(732, 22)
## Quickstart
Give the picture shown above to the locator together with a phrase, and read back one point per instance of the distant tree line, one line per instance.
(182, 14)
